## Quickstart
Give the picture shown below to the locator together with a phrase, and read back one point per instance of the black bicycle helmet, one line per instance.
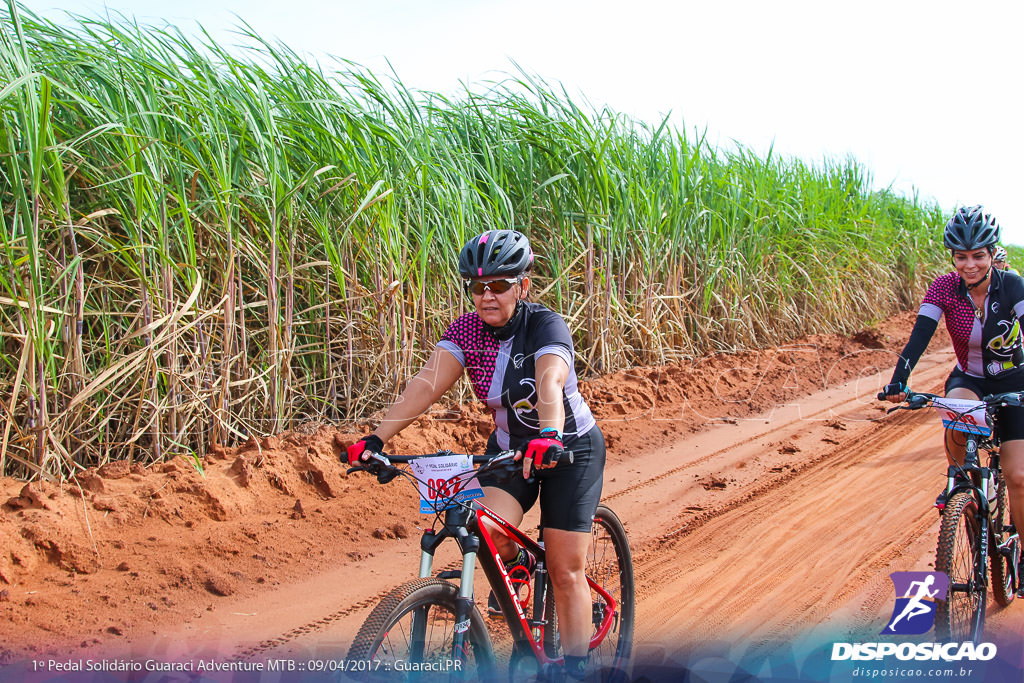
(495, 252)
(971, 228)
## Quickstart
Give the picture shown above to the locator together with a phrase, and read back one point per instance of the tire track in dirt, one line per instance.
(740, 603)
(763, 488)
(781, 429)
(655, 556)
(323, 623)
(307, 629)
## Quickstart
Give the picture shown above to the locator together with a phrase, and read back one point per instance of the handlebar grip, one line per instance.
(1014, 400)
(532, 479)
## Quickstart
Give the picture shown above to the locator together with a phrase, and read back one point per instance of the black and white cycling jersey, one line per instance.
(501, 365)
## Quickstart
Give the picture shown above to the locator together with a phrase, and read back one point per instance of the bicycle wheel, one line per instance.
(409, 635)
(961, 616)
(610, 565)
(1002, 575)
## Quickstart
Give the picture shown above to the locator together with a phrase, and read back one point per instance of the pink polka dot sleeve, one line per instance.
(944, 295)
(477, 347)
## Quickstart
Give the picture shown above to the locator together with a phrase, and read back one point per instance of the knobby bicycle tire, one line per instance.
(552, 643)
(961, 616)
(610, 564)
(386, 636)
(1002, 577)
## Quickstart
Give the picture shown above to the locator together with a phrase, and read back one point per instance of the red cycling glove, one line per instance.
(544, 451)
(370, 442)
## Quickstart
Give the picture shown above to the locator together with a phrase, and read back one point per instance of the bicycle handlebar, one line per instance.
(477, 459)
(383, 466)
(920, 399)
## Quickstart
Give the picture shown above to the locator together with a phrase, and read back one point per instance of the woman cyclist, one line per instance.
(999, 260)
(983, 306)
(519, 358)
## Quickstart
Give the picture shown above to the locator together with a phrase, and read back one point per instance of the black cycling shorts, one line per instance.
(569, 492)
(1010, 419)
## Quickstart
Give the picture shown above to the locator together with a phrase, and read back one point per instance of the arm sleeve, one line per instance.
(924, 328)
(1015, 289)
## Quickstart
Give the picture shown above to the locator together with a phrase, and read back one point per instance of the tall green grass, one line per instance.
(199, 247)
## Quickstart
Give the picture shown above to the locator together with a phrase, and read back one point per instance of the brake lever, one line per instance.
(918, 401)
(378, 464)
(504, 467)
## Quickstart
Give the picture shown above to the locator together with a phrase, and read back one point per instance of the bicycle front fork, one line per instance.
(986, 486)
(464, 604)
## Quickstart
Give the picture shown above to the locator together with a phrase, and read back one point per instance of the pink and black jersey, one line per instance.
(503, 371)
(986, 345)
(987, 342)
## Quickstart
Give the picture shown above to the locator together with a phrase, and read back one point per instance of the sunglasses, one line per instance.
(478, 288)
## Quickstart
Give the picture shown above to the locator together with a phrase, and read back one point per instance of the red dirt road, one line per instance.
(766, 496)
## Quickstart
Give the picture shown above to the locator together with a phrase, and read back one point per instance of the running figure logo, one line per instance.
(916, 593)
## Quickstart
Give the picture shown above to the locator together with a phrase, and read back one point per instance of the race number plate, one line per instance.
(444, 480)
(963, 415)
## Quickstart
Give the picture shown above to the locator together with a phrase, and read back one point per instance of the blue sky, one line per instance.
(925, 94)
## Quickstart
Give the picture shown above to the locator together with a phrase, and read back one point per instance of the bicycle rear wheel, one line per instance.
(1003, 589)
(410, 634)
(961, 616)
(610, 565)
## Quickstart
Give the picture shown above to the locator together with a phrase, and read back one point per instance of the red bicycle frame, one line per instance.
(528, 630)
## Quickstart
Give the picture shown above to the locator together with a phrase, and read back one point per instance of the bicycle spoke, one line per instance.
(964, 599)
